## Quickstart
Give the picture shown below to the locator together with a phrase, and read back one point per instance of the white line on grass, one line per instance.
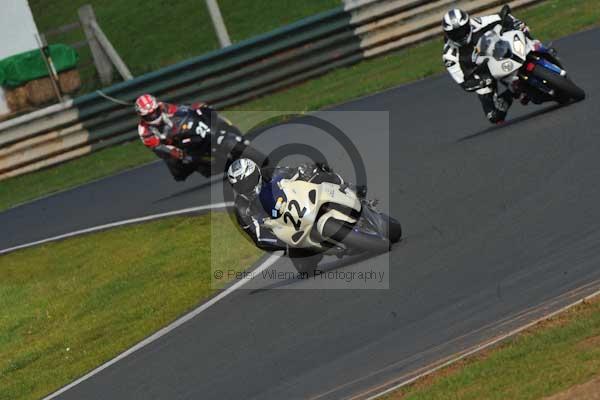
(266, 264)
(119, 223)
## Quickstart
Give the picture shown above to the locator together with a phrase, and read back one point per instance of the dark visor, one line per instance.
(152, 116)
(247, 185)
(459, 35)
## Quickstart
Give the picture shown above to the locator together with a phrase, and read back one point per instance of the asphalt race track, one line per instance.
(499, 221)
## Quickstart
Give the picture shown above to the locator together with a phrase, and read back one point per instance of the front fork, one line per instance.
(541, 58)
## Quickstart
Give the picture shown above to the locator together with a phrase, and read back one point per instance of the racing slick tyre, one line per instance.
(566, 89)
(394, 229)
(179, 170)
(342, 232)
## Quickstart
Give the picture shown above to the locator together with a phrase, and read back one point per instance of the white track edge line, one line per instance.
(175, 324)
(486, 345)
(119, 223)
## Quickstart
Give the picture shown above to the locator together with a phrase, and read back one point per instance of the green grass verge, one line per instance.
(545, 360)
(69, 306)
(549, 20)
(245, 19)
(149, 34)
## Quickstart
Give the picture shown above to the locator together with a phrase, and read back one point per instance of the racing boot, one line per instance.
(504, 101)
(501, 105)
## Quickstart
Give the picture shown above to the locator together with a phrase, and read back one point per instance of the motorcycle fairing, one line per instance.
(304, 201)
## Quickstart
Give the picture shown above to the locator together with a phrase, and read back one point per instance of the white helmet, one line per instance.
(457, 26)
(245, 177)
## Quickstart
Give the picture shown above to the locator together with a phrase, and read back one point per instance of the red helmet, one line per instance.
(149, 109)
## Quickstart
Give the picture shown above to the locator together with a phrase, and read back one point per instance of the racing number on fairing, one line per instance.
(296, 205)
(202, 129)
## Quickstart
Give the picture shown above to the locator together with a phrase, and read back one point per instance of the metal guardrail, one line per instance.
(297, 52)
(386, 25)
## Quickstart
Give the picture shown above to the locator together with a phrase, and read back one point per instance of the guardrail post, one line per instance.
(52, 74)
(110, 51)
(218, 23)
(101, 60)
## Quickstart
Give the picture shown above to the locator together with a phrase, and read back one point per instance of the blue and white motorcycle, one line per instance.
(524, 65)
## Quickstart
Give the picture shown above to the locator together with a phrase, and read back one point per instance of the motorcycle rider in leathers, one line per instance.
(256, 199)
(159, 126)
(461, 34)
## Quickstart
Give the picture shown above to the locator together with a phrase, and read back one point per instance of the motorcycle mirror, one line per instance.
(504, 22)
(504, 12)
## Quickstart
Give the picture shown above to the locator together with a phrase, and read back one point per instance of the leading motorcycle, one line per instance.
(524, 65)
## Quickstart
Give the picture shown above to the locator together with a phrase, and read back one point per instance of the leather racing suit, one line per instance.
(162, 139)
(251, 213)
(459, 64)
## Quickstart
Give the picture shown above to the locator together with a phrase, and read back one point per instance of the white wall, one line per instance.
(17, 33)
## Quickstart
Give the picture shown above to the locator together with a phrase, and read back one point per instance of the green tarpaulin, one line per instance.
(24, 67)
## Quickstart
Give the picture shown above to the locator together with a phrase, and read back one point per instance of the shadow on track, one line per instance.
(329, 266)
(511, 122)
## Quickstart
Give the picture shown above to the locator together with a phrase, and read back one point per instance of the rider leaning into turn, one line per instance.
(258, 196)
(461, 36)
(156, 128)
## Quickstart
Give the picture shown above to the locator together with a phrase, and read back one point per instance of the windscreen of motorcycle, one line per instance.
(492, 45)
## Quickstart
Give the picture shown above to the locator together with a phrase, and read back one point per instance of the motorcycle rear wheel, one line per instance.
(394, 229)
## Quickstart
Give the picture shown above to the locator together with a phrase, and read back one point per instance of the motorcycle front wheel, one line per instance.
(343, 232)
(566, 89)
